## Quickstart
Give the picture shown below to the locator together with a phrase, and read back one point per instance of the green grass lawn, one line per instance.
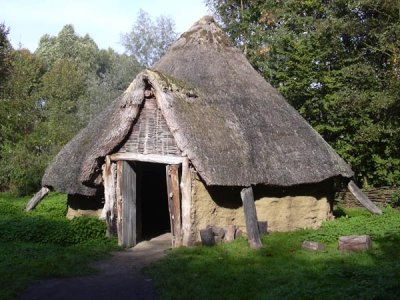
(281, 270)
(43, 244)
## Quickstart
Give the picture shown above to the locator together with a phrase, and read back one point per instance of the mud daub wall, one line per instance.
(381, 196)
(79, 205)
(284, 209)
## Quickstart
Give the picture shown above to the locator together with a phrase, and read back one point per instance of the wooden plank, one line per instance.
(250, 215)
(109, 180)
(119, 202)
(174, 204)
(362, 198)
(153, 158)
(355, 243)
(186, 191)
(128, 192)
(37, 198)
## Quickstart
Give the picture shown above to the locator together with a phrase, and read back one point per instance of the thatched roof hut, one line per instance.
(212, 108)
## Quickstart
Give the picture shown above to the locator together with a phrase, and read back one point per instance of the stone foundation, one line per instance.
(286, 209)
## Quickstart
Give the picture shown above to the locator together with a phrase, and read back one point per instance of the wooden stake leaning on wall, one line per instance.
(362, 198)
(37, 198)
(186, 191)
(250, 215)
(174, 204)
(109, 180)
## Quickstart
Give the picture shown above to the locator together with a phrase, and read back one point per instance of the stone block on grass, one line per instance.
(355, 243)
(312, 246)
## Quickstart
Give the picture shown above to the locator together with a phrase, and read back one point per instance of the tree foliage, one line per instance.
(337, 62)
(83, 51)
(48, 96)
(5, 48)
(148, 39)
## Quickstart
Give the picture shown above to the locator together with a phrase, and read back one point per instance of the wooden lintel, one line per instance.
(153, 158)
(362, 198)
(250, 215)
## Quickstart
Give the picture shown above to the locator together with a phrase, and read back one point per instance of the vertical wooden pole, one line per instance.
(109, 179)
(174, 204)
(118, 190)
(186, 191)
(127, 209)
(250, 215)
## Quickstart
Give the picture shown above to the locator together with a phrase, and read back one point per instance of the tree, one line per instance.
(20, 115)
(337, 62)
(82, 51)
(5, 49)
(48, 96)
(113, 77)
(63, 88)
(149, 40)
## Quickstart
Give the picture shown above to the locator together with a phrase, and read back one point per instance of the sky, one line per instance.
(103, 20)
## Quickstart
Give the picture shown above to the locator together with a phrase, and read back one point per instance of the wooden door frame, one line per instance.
(180, 210)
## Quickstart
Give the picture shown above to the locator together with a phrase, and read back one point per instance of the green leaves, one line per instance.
(148, 39)
(337, 62)
(48, 96)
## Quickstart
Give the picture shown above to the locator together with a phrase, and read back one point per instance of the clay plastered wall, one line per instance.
(222, 206)
(72, 213)
(79, 205)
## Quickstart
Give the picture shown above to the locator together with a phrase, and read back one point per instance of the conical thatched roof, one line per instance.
(234, 127)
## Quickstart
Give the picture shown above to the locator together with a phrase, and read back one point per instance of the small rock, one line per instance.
(230, 233)
(207, 237)
(218, 231)
(238, 233)
(312, 246)
(263, 227)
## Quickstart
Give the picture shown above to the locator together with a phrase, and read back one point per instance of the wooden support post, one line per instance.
(362, 198)
(126, 204)
(174, 204)
(186, 191)
(250, 215)
(37, 198)
(109, 179)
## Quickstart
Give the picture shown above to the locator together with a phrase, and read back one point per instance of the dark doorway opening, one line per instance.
(153, 214)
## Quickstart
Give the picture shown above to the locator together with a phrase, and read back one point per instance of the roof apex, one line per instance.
(204, 31)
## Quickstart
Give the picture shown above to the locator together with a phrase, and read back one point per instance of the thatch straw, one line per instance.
(235, 128)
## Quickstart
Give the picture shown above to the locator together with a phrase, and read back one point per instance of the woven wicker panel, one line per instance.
(150, 134)
(380, 196)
